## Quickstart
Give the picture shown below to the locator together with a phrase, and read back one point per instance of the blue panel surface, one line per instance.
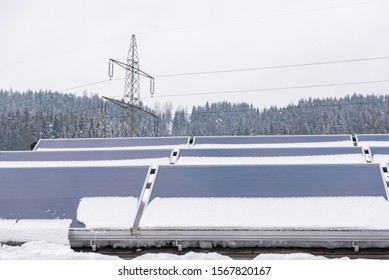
(269, 152)
(110, 142)
(270, 139)
(49, 193)
(379, 151)
(269, 181)
(83, 155)
(372, 137)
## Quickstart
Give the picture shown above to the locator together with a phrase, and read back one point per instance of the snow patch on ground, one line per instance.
(55, 231)
(311, 213)
(43, 250)
(187, 256)
(293, 256)
(107, 212)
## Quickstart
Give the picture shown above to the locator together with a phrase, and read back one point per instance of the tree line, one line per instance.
(28, 116)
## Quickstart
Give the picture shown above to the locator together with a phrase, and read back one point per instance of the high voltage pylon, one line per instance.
(132, 89)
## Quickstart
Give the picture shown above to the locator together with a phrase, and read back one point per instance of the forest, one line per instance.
(26, 117)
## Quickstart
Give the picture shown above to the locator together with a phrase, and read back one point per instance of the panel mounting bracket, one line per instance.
(179, 246)
(355, 246)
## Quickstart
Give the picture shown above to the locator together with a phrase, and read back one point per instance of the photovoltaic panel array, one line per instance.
(269, 181)
(99, 143)
(84, 155)
(279, 139)
(51, 193)
(269, 152)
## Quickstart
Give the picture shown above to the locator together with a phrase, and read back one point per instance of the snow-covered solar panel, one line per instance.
(269, 181)
(372, 139)
(380, 154)
(269, 152)
(379, 151)
(101, 143)
(55, 193)
(294, 140)
(84, 155)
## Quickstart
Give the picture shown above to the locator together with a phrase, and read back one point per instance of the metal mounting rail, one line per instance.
(270, 238)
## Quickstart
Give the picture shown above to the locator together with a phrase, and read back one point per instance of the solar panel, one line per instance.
(278, 139)
(84, 155)
(372, 137)
(269, 181)
(269, 152)
(110, 142)
(379, 151)
(51, 193)
(380, 154)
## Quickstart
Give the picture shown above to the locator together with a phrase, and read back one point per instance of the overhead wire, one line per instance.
(84, 85)
(238, 70)
(271, 67)
(268, 89)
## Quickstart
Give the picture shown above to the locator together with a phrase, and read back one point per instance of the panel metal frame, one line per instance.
(168, 151)
(141, 194)
(275, 165)
(269, 238)
(278, 136)
(37, 146)
(368, 135)
(361, 152)
(331, 238)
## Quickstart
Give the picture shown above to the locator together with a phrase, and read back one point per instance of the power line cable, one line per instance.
(84, 85)
(269, 89)
(271, 67)
(236, 70)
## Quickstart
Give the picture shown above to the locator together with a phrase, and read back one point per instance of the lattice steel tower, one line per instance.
(132, 82)
(132, 87)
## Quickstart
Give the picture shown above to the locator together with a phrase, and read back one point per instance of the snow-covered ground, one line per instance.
(43, 250)
(55, 231)
(48, 240)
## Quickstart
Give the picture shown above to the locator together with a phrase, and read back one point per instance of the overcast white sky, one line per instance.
(63, 44)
